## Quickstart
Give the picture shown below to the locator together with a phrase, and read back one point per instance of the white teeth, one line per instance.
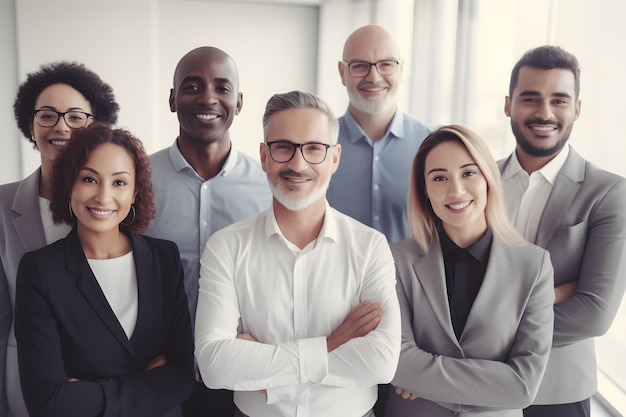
(543, 128)
(459, 206)
(206, 116)
(101, 212)
(59, 142)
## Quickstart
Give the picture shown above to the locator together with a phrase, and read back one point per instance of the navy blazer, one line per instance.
(65, 328)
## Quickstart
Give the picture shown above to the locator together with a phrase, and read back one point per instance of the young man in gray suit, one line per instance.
(573, 209)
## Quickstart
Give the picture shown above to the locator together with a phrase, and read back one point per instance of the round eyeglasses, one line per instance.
(49, 118)
(363, 68)
(283, 151)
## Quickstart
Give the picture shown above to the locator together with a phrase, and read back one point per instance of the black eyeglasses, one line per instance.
(49, 118)
(362, 68)
(283, 151)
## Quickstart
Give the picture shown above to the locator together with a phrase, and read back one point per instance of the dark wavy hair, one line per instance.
(88, 83)
(71, 160)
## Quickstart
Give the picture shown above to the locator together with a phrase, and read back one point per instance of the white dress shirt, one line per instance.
(530, 193)
(252, 280)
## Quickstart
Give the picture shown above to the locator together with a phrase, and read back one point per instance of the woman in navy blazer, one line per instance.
(101, 316)
(476, 342)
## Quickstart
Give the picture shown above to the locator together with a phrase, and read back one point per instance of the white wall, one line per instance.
(135, 46)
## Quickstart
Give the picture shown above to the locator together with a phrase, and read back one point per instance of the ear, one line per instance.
(578, 104)
(239, 102)
(507, 106)
(342, 71)
(264, 156)
(335, 157)
(172, 100)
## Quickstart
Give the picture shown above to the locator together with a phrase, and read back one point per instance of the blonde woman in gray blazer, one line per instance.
(487, 358)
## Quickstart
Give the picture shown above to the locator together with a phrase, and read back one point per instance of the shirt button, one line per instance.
(204, 186)
(376, 218)
(376, 187)
(205, 224)
(376, 158)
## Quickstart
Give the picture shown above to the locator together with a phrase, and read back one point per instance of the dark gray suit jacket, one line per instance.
(496, 366)
(583, 226)
(21, 230)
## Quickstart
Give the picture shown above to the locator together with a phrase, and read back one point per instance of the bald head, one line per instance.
(204, 54)
(369, 43)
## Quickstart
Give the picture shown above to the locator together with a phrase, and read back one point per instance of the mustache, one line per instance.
(368, 84)
(543, 122)
(291, 173)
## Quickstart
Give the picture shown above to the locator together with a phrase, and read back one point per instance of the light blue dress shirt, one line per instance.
(372, 181)
(189, 209)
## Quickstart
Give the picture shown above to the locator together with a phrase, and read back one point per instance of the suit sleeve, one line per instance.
(509, 383)
(602, 278)
(45, 385)
(6, 318)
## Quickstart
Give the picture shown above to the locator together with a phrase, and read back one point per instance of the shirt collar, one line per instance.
(354, 132)
(548, 171)
(180, 163)
(479, 250)
(329, 229)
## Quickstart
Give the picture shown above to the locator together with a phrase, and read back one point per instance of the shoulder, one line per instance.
(519, 256)
(248, 164)
(241, 229)
(415, 124)
(156, 245)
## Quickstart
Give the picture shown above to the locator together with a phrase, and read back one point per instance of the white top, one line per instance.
(531, 192)
(252, 280)
(118, 280)
(52, 231)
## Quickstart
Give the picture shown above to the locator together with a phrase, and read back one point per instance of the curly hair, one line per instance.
(88, 83)
(69, 162)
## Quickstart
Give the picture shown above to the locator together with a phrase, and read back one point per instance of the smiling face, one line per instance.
(296, 184)
(457, 191)
(373, 93)
(104, 190)
(542, 109)
(51, 140)
(205, 96)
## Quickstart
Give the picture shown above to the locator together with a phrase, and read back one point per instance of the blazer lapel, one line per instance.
(148, 294)
(566, 186)
(432, 276)
(28, 226)
(89, 287)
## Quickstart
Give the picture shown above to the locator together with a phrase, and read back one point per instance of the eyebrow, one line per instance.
(536, 93)
(445, 170)
(97, 173)
(195, 78)
(69, 109)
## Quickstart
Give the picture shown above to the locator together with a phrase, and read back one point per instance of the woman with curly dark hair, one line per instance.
(51, 103)
(101, 316)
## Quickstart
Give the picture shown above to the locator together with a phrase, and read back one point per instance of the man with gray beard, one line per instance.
(297, 307)
(379, 141)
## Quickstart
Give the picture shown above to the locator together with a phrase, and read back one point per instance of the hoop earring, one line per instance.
(69, 204)
(132, 210)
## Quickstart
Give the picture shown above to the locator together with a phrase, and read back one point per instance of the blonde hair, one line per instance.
(423, 222)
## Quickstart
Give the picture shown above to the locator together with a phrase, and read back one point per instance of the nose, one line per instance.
(298, 163)
(373, 75)
(207, 96)
(455, 188)
(62, 125)
(103, 196)
(544, 111)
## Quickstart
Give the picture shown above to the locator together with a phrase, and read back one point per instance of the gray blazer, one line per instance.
(496, 366)
(583, 226)
(22, 231)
